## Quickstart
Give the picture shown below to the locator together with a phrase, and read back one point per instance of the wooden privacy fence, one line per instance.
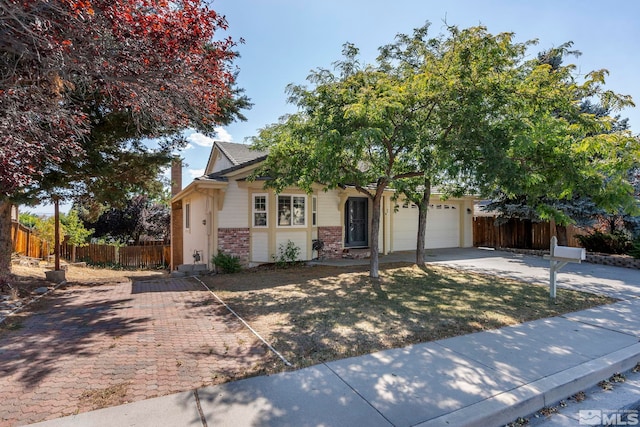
(92, 253)
(521, 234)
(26, 243)
(148, 256)
(145, 256)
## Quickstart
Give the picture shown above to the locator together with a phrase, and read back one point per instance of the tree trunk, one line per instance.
(6, 245)
(375, 233)
(423, 208)
(561, 234)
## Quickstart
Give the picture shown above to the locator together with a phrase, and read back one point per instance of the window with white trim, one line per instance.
(187, 216)
(292, 211)
(314, 211)
(260, 210)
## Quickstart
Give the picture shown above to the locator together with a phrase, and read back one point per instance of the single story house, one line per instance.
(223, 211)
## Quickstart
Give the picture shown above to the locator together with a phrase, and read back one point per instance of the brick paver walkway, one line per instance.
(136, 341)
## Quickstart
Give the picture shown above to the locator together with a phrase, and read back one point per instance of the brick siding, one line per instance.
(234, 241)
(332, 239)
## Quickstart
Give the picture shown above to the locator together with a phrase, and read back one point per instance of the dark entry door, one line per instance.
(356, 219)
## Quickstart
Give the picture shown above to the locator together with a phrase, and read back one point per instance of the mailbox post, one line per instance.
(559, 257)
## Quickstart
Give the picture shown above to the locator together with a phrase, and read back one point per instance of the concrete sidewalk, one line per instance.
(482, 379)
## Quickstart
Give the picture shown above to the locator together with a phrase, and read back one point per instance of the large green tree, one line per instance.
(559, 154)
(422, 115)
(569, 158)
(74, 232)
(355, 127)
(462, 82)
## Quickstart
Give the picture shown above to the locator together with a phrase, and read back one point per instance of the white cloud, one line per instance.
(204, 141)
(223, 135)
(195, 173)
(200, 139)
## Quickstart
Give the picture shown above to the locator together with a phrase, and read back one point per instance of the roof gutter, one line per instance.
(198, 185)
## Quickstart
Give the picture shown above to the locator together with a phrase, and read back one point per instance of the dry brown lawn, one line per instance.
(321, 313)
(317, 314)
(27, 276)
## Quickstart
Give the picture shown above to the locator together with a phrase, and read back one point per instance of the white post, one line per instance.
(552, 269)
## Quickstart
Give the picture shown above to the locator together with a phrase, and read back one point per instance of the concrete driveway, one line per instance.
(617, 282)
(105, 345)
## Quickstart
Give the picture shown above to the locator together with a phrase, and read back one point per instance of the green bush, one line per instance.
(609, 243)
(288, 254)
(226, 263)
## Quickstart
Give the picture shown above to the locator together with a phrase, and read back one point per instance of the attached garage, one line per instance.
(443, 226)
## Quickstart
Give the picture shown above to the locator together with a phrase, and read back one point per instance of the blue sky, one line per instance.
(285, 39)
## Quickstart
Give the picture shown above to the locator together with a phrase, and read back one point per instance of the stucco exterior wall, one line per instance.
(329, 208)
(221, 163)
(236, 207)
(196, 234)
(466, 223)
(298, 237)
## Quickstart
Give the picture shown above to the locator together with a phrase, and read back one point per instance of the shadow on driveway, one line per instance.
(88, 347)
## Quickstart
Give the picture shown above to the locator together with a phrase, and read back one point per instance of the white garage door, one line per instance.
(443, 226)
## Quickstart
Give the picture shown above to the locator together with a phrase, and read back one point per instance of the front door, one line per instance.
(356, 220)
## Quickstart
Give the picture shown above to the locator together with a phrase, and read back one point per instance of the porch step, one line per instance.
(189, 270)
(357, 253)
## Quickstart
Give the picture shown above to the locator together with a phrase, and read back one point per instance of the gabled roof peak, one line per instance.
(239, 154)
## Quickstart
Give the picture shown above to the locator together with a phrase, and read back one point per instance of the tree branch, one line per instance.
(407, 175)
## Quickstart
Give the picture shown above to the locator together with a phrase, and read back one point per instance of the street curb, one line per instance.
(503, 408)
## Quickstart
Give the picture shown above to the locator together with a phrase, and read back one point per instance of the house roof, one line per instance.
(222, 175)
(239, 154)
